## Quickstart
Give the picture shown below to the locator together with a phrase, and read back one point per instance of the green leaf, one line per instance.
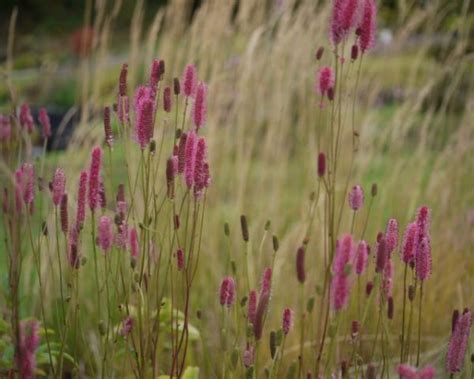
(191, 373)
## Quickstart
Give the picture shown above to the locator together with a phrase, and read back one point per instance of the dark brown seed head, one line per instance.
(244, 227)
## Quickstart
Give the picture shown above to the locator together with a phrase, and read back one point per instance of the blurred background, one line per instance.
(414, 115)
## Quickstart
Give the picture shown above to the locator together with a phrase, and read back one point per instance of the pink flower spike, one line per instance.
(190, 158)
(58, 186)
(339, 291)
(105, 234)
(362, 256)
(387, 279)
(287, 321)
(26, 119)
(189, 80)
(409, 243)
(344, 254)
(324, 80)
(81, 200)
(391, 235)
(356, 198)
(423, 259)
(199, 169)
(227, 292)
(458, 343)
(45, 123)
(167, 99)
(423, 221)
(29, 342)
(73, 247)
(134, 247)
(200, 106)
(182, 153)
(157, 71)
(248, 356)
(26, 179)
(427, 372)
(64, 214)
(252, 306)
(367, 26)
(94, 177)
(123, 80)
(180, 260)
(407, 371)
(144, 121)
(109, 137)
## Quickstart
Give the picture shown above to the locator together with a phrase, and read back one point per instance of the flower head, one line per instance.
(26, 119)
(44, 122)
(409, 243)
(391, 235)
(94, 177)
(189, 80)
(324, 80)
(227, 291)
(458, 343)
(356, 197)
(58, 186)
(287, 321)
(199, 106)
(105, 234)
(362, 255)
(367, 26)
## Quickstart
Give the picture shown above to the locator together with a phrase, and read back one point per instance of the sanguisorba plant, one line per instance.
(123, 270)
(141, 249)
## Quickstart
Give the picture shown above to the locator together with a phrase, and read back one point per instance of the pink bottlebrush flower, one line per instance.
(26, 119)
(391, 235)
(105, 234)
(248, 356)
(94, 177)
(200, 106)
(73, 246)
(144, 121)
(407, 372)
(109, 137)
(287, 321)
(207, 175)
(127, 326)
(29, 342)
(356, 198)
(458, 343)
(387, 279)
(189, 80)
(63, 214)
(344, 255)
(26, 182)
(134, 246)
(252, 307)
(266, 283)
(199, 169)
(423, 259)
(167, 99)
(81, 200)
(300, 268)
(123, 109)
(5, 128)
(362, 256)
(262, 305)
(190, 158)
(102, 196)
(58, 186)
(339, 291)
(324, 80)
(142, 92)
(427, 372)
(367, 26)
(123, 80)
(423, 221)
(321, 164)
(182, 153)
(157, 71)
(381, 254)
(409, 243)
(121, 236)
(180, 260)
(227, 291)
(171, 172)
(44, 122)
(121, 210)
